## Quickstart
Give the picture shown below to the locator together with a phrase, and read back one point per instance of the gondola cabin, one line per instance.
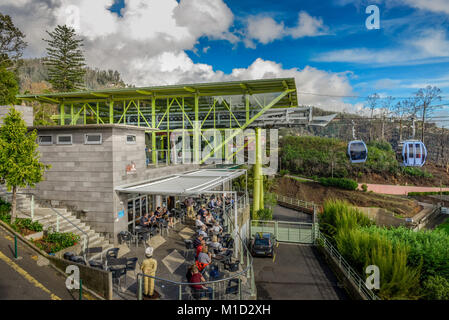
(357, 151)
(412, 153)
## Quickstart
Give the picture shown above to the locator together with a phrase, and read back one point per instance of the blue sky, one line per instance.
(400, 24)
(324, 44)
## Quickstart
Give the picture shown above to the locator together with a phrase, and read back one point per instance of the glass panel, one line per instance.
(130, 212)
(357, 151)
(144, 205)
(410, 151)
(137, 208)
(418, 150)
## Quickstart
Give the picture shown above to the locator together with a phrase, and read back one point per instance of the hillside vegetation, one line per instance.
(327, 157)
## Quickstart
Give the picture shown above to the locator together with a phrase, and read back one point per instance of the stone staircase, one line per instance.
(68, 222)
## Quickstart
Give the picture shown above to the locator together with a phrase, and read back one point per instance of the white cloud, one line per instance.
(430, 5)
(437, 6)
(147, 43)
(429, 44)
(308, 26)
(265, 29)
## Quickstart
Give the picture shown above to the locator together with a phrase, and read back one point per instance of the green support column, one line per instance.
(98, 113)
(259, 151)
(168, 131)
(153, 134)
(196, 134)
(111, 112)
(247, 107)
(257, 169)
(71, 114)
(138, 113)
(62, 114)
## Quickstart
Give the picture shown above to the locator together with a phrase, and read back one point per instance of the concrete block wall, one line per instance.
(81, 175)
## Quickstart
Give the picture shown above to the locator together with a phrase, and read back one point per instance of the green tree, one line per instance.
(9, 87)
(65, 61)
(19, 157)
(11, 41)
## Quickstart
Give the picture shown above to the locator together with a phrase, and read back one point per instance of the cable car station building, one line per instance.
(110, 152)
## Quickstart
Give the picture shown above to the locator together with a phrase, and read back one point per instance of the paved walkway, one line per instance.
(30, 277)
(399, 190)
(297, 272)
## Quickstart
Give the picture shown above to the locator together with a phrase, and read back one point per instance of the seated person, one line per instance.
(212, 203)
(198, 222)
(203, 231)
(199, 249)
(152, 219)
(197, 241)
(208, 219)
(197, 278)
(205, 257)
(217, 229)
(190, 272)
(218, 247)
(144, 221)
(158, 213)
(202, 211)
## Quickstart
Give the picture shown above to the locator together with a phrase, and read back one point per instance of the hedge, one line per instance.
(342, 183)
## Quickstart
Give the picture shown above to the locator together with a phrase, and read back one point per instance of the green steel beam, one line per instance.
(244, 126)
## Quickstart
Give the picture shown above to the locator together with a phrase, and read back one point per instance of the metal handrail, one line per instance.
(349, 272)
(33, 196)
(293, 201)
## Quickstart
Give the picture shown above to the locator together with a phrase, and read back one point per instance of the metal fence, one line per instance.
(296, 202)
(349, 272)
(285, 231)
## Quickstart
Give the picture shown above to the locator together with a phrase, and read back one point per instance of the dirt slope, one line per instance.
(312, 191)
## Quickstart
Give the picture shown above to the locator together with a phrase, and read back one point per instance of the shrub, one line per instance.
(364, 188)
(398, 280)
(430, 193)
(283, 172)
(338, 215)
(56, 241)
(415, 172)
(436, 288)
(264, 214)
(341, 183)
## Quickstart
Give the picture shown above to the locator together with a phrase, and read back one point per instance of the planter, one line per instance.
(75, 249)
(35, 236)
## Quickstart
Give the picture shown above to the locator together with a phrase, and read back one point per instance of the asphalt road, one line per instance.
(296, 272)
(30, 277)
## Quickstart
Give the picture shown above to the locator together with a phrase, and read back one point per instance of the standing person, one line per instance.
(149, 267)
(189, 205)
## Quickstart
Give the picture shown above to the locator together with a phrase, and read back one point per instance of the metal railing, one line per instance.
(33, 197)
(296, 202)
(348, 271)
(285, 231)
(236, 285)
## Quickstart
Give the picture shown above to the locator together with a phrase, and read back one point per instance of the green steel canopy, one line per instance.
(251, 87)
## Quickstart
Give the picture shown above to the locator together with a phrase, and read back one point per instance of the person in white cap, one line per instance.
(149, 267)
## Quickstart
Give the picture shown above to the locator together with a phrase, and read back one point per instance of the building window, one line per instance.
(45, 140)
(64, 139)
(131, 139)
(93, 138)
